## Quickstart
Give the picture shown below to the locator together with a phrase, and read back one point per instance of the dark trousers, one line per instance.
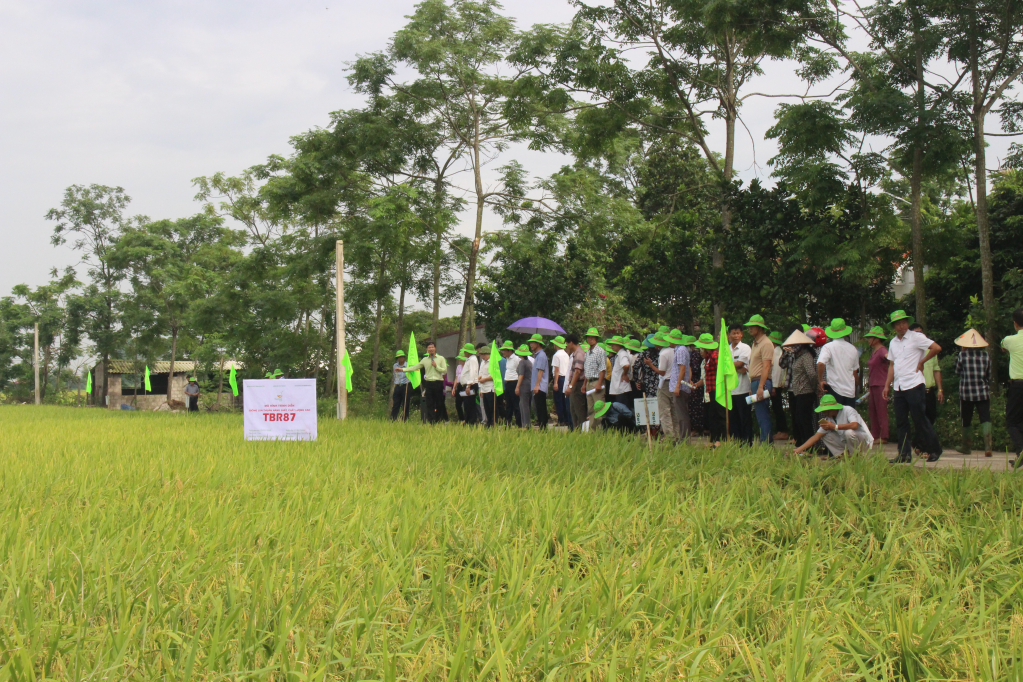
(715, 415)
(983, 408)
(459, 403)
(561, 404)
(400, 401)
(1014, 414)
(931, 409)
(778, 407)
(841, 399)
(435, 410)
(471, 407)
(627, 399)
(540, 407)
(913, 403)
(740, 420)
(193, 403)
(803, 423)
(511, 405)
(488, 402)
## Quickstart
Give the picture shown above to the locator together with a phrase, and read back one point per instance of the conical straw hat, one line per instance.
(971, 339)
(796, 338)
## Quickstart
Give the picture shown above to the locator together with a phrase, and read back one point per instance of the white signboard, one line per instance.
(280, 409)
(646, 406)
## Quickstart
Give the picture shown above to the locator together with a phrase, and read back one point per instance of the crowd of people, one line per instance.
(811, 379)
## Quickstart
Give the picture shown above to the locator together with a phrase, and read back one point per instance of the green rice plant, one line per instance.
(146, 546)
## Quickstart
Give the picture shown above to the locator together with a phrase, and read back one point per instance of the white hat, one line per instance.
(971, 339)
(798, 338)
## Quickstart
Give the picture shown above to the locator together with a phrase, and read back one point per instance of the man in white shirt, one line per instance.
(740, 418)
(841, 360)
(488, 401)
(620, 388)
(907, 353)
(663, 369)
(511, 377)
(561, 365)
(469, 379)
(842, 430)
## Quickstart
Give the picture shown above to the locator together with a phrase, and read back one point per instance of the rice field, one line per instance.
(158, 546)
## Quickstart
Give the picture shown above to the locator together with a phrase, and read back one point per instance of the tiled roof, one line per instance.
(163, 367)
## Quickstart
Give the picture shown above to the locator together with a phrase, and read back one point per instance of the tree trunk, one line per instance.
(470, 279)
(375, 362)
(987, 276)
(174, 354)
(47, 356)
(717, 258)
(220, 386)
(438, 252)
(915, 182)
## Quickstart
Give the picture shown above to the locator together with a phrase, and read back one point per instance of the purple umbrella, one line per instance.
(536, 325)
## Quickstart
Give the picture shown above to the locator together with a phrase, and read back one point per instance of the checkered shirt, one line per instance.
(974, 369)
(595, 362)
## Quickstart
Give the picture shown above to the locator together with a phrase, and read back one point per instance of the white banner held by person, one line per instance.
(280, 409)
(644, 406)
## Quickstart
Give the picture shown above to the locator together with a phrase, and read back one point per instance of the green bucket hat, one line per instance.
(461, 356)
(633, 345)
(659, 340)
(899, 315)
(756, 321)
(603, 346)
(676, 337)
(507, 345)
(600, 408)
(828, 402)
(877, 332)
(559, 341)
(469, 349)
(192, 379)
(663, 329)
(688, 340)
(484, 350)
(838, 329)
(775, 338)
(706, 341)
(616, 341)
(592, 331)
(523, 350)
(806, 327)
(536, 338)
(400, 354)
(274, 374)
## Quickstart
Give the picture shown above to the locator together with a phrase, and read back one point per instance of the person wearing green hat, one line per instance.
(524, 384)
(576, 382)
(706, 389)
(778, 388)
(877, 375)
(620, 387)
(842, 430)
(540, 380)
(435, 369)
(760, 364)
(456, 387)
(679, 386)
(400, 398)
(646, 380)
(740, 417)
(192, 394)
(661, 366)
(561, 366)
(908, 351)
(594, 373)
(615, 416)
(510, 364)
(839, 361)
(470, 385)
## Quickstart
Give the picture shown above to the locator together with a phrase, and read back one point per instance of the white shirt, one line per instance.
(485, 386)
(664, 360)
(777, 373)
(511, 369)
(907, 353)
(470, 371)
(835, 440)
(840, 359)
(619, 384)
(563, 363)
(741, 353)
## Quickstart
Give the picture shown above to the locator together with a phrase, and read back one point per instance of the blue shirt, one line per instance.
(503, 364)
(540, 363)
(616, 412)
(399, 377)
(681, 358)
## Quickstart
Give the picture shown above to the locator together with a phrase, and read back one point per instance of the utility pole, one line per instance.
(35, 362)
(342, 391)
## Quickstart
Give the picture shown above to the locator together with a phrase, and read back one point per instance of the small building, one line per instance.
(126, 383)
(447, 346)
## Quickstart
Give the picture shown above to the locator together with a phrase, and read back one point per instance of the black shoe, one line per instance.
(933, 457)
(901, 460)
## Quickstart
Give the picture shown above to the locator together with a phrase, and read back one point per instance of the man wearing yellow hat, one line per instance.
(973, 366)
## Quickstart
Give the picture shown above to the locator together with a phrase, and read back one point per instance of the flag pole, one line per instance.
(404, 413)
(342, 392)
(646, 416)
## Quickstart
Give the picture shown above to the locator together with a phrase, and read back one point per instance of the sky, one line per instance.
(148, 94)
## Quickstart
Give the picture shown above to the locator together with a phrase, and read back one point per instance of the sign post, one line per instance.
(280, 409)
(342, 392)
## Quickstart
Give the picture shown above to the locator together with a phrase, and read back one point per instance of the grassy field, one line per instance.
(158, 546)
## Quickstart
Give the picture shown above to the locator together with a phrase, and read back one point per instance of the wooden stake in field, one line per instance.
(404, 409)
(646, 413)
(342, 391)
(35, 362)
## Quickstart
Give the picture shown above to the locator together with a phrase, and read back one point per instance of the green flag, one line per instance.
(232, 379)
(149, 388)
(495, 369)
(347, 362)
(412, 360)
(88, 381)
(727, 377)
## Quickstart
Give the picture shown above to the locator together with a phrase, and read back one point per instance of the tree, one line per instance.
(94, 218)
(457, 49)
